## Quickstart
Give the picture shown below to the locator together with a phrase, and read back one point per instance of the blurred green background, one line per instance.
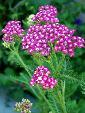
(70, 13)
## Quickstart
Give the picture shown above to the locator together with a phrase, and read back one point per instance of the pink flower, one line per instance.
(38, 37)
(68, 44)
(46, 14)
(12, 28)
(41, 77)
(49, 8)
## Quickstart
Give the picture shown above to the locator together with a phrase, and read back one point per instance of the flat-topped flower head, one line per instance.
(36, 40)
(24, 106)
(46, 13)
(49, 8)
(12, 28)
(39, 36)
(41, 77)
(68, 44)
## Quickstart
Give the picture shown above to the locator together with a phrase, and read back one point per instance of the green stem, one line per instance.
(21, 61)
(23, 64)
(62, 103)
(55, 102)
(46, 100)
(61, 97)
(41, 93)
(25, 67)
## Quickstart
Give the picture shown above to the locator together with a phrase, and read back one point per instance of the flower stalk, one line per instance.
(60, 97)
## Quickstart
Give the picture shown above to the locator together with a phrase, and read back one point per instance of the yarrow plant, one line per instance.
(44, 39)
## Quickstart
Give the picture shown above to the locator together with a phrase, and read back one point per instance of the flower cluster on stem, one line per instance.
(12, 28)
(41, 77)
(39, 35)
(46, 14)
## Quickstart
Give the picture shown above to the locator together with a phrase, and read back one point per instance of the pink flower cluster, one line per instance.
(38, 37)
(12, 28)
(46, 14)
(67, 44)
(41, 76)
(36, 40)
